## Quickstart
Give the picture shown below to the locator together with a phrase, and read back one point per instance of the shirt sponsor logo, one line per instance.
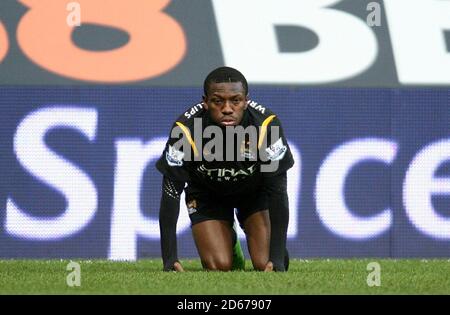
(227, 174)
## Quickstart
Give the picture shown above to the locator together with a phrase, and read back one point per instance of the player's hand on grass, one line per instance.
(178, 267)
(269, 267)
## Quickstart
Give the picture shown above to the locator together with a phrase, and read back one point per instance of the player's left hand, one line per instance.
(269, 267)
(178, 267)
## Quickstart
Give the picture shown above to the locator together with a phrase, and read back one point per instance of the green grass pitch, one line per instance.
(315, 276)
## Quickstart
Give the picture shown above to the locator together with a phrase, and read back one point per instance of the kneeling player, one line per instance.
(255, 186)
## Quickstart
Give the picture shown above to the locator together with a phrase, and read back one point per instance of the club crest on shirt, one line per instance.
(276, 151)
(246, 151)
(174, 157)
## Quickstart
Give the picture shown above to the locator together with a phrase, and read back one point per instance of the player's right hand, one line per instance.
(175, 266)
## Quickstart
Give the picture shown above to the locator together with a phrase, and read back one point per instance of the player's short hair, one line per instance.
(223, 75)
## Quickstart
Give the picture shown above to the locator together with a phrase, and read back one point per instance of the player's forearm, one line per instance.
(168, 217)
(279, 219)
(168, 241)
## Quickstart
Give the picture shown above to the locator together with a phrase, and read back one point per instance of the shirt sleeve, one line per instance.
(168, 217)
(274, 150)
(276, 190)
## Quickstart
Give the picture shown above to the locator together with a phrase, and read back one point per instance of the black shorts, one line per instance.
(205, 205)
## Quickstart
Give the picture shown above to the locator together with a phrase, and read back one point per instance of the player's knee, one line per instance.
(218, 264)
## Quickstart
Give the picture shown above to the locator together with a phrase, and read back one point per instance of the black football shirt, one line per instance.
(265, 153)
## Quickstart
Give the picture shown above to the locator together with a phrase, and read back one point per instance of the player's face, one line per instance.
(226, 103)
